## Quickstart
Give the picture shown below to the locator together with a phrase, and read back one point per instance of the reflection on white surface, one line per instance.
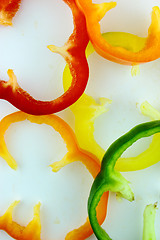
(5, 236)
(64, 195)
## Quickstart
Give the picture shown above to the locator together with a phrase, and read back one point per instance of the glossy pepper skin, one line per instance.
(75, 153)
(95, 12)
(74, 53)
(109, 179)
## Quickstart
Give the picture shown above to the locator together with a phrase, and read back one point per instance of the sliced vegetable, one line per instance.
(148, 222)
(109, 179)
(74, 53)
(149, 111)
(8, 9)
(31, 232)
(95, 12)
(151, 155)
(75, 153)
(86, 110)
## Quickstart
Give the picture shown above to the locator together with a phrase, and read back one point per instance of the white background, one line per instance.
(63, 195)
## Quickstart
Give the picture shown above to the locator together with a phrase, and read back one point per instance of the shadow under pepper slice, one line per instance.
(95, 12)
(74, 53)
(109, 179)
(75, 153)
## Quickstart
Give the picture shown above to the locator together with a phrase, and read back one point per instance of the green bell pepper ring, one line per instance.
(109, 179)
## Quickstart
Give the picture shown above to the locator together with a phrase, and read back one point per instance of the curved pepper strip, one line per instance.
(8, 9)
(95, 12)
(75, 153)
(86, 110)
(109, 179)
(74, 53)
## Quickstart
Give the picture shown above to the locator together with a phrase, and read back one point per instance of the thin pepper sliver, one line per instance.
(95, 12)
(75, 153)
(149, 221)
(8, 9)
(109, 179)
(74, 53)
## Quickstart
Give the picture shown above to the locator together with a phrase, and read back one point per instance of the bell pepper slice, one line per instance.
(110, 179)
(95, 12)
(86, 110)
(8, 9)
(75, 153)
(148, 222)
(32, 231)
(74, 53)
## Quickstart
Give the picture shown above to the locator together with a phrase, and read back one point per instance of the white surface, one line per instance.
(64, 195)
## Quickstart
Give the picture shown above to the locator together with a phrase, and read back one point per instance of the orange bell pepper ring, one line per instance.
(75, 153)
(95, 12)
(8, 9)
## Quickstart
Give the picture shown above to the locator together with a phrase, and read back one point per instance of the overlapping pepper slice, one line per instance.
(95, 12)
(109, 179)
(8, 9)
(74, 53)
(86, 110)
(151, 155)
(75, 153)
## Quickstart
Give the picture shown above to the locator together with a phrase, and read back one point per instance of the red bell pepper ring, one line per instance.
(74, 53)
